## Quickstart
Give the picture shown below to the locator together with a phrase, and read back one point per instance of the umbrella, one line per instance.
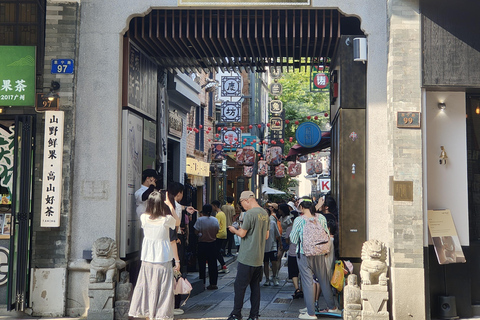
(268, 190)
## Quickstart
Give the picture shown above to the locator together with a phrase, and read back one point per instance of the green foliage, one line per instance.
(299, 102)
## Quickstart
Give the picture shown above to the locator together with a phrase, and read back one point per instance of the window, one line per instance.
(199, 120)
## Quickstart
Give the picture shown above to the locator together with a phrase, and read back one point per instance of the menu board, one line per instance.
(444, 236)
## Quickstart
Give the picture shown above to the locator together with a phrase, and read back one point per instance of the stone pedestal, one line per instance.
(374, 302)
(101, 301)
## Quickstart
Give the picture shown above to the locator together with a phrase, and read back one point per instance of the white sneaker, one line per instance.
(306, 316)
(336, 311)
(178, 311)
(275, 282)
(304, 310)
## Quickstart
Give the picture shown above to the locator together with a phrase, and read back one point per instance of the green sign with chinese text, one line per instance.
(17, 76)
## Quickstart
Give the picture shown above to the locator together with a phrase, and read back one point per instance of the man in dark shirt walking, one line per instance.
(253, 233)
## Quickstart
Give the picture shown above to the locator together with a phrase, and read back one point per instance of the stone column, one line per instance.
(405, 217)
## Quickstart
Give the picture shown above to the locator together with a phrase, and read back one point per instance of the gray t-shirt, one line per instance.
(207, 228)
(252, 246)
(271, 243)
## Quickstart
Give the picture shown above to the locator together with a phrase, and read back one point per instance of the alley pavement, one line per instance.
(276, 301)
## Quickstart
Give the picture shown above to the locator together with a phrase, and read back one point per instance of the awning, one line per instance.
(268, 190)
(298, 150)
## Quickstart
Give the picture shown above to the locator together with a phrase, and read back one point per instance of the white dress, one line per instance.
(153, 294)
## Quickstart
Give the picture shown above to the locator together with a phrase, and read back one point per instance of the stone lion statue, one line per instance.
(374, 269)
(104, 260)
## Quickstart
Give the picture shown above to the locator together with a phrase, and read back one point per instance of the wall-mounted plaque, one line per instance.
(408, 119)
(403, 190)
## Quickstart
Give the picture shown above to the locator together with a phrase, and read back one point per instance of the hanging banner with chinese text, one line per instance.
(17, 76)
(231, 138)
(320, 79)
(231, 112)
(52, 169)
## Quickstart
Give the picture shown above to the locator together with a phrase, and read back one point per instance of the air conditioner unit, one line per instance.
(360, 49)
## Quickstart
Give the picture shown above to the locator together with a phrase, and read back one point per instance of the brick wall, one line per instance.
(50, 245)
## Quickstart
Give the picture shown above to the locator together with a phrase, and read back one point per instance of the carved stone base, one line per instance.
(352, 314)
(374, 302)
(121, 310)
(101, 301)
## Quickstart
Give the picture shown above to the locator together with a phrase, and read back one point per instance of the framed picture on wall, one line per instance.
(6, 224)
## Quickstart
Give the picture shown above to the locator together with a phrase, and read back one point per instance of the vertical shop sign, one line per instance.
(52, 169)
(231, 112)
(231, 86)
(17, 76)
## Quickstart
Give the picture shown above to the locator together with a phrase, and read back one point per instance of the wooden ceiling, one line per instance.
(229, 39)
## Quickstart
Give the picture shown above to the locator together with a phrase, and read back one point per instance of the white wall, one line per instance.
(447, 184)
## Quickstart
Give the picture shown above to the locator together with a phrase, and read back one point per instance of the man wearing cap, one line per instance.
(149, 183)
(253, 233)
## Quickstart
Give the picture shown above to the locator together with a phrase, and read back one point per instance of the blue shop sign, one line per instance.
(308, 134)
(62, 66)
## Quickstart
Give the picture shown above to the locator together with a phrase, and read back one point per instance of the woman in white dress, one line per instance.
(153, 296)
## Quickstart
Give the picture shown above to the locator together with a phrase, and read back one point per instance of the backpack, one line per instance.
(315, 238)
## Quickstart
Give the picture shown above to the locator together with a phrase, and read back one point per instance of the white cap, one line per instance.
(292, 205)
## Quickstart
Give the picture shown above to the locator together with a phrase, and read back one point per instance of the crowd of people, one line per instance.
(176, 236)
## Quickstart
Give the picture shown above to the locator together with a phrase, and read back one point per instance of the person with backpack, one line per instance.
(310, 234)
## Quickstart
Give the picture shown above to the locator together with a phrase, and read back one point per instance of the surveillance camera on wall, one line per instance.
(360, 49)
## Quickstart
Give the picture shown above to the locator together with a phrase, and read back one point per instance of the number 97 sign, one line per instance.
(62, 66)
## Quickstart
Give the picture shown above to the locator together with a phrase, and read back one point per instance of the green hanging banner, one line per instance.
(17, 76)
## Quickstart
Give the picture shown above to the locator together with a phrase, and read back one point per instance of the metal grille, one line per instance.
(252, 40)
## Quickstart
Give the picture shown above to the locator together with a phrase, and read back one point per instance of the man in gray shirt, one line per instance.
(253, 232)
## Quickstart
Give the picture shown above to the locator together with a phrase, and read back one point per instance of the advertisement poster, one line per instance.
(17, 75)
(444, 236)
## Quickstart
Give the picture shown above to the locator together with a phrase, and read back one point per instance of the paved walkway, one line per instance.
(276, 301)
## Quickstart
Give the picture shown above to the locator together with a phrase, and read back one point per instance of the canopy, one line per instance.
(298, 150)
(268, 190)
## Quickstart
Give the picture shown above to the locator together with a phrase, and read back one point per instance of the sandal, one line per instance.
(297, 294)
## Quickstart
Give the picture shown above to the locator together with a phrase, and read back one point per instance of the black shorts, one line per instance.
(292, 267)
(270, 256)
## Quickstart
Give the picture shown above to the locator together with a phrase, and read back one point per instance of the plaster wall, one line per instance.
(447, 184)
(48, 291)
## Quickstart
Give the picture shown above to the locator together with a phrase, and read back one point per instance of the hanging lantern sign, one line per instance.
(280, 171)
(248, 156)
(318, 167)
(303, 158)
(275, 72)
(231, 111)
(294, 168)
(248, 171)
(311, 167)
(274, 156)
(276, 89)
(262, 168)
(217, 151)
(231, 137)
(276, 106)
(239, 156)
(231, 86)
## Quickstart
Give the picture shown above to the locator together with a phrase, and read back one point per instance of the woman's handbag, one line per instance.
(182, 286)
(338, 276)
